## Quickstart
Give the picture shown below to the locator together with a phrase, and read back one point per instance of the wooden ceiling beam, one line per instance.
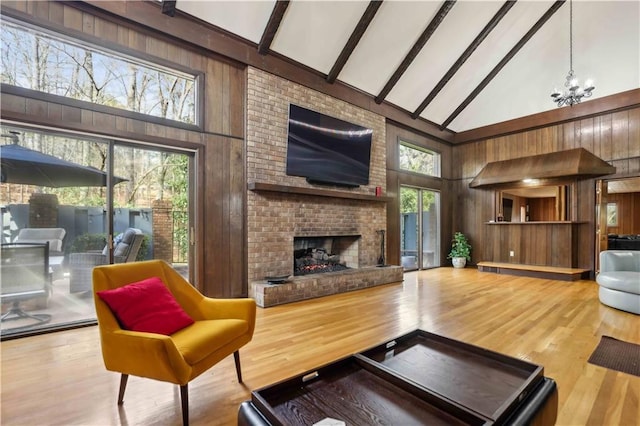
(169, 7)
(548, 14)
(272, 26)
(357, 34)
(415, 50)
(463, 58)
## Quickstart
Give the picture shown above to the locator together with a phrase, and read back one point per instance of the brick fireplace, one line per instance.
(276, 217)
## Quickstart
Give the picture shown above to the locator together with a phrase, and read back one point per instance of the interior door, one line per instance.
(601, 220)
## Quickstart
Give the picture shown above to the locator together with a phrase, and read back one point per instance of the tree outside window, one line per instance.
(48, 63)
(419, 160)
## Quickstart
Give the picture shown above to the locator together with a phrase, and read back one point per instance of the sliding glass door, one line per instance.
(86, 201)
(419, 228)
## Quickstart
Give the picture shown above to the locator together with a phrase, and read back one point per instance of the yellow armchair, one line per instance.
(221, 328)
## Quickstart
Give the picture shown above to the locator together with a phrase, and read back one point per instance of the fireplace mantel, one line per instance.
(270, 187)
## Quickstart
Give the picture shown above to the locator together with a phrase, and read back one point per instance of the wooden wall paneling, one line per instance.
(216, 278)
(515, 244)
(393, 219)
(41, 10)
(213, 97)
(490, 243)
(628, 205)
(135, 40)
(446, 202)
(107, 31)
(236, 105)
(550, 242)
(13, 103)
(36, 107)
(634, 133)
(157, 47)
(72, 18)
(19, 5)
(225, 99)
(568, 136)
(527, 235)
(606, 134)
(56, 12)
(620, 135)
(237, 235)
(531, 143)
(586, 215)
(88, 23)
(560, 245)
(597, 137)
(587, 128)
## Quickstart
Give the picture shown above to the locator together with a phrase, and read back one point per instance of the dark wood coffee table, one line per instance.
(418, 378)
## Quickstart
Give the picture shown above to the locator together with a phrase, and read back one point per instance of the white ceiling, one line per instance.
(606, 48)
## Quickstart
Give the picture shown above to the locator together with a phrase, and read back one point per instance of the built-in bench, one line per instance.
(536, 271)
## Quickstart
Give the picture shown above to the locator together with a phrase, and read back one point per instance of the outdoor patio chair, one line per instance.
(54, 236)
(81, 264)
(24, 273)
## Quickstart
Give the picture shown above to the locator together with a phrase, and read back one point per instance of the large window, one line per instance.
(49, 63)
(58, 190)
(419, 160)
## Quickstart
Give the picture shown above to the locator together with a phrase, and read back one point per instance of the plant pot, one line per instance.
(459, 262)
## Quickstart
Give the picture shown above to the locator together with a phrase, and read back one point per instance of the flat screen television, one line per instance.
(326, 150)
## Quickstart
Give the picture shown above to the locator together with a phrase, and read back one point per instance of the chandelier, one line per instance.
(572, 93)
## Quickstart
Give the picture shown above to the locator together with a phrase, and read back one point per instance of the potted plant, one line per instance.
(460, 250)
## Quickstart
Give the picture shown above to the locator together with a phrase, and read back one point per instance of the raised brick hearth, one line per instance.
(274, 218)
(318, 285)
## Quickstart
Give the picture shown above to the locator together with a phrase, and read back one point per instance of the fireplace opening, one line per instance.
(314, 255)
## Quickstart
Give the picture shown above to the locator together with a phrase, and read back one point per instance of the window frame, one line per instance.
(86, 41)
(436, 155)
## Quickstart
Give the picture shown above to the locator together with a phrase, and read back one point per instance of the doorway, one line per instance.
(617, 215)
(419, 228)
(104, 200)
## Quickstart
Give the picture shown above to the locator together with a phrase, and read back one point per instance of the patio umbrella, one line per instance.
(26, 166)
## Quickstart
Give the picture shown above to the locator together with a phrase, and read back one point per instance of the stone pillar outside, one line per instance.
(43, 210)
(162, 230)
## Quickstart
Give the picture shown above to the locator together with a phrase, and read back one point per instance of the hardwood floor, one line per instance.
(59, 379)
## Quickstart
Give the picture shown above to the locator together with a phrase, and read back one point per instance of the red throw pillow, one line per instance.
(146, 305)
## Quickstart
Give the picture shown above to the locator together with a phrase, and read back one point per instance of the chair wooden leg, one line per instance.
(236, 357)
(184, 397)
(123, 385)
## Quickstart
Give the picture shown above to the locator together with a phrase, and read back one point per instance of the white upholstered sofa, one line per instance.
(619, 279)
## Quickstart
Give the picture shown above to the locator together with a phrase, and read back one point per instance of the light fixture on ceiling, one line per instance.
(573, 93)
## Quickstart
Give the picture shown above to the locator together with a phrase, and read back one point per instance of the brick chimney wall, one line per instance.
(273, 219)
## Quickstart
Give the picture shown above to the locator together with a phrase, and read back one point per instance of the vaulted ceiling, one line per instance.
(460, 65)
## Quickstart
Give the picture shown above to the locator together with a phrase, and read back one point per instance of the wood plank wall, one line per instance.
(219, 143)
(628, 213)
(536, 243)
(614, 137)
